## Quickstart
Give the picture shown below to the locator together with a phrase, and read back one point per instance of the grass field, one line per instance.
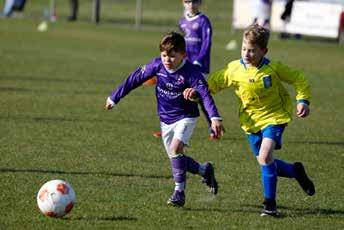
(53, 87)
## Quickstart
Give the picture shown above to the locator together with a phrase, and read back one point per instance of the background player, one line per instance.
(197, 31)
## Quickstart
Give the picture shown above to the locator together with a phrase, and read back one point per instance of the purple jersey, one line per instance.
(169, 89)
(198, 32)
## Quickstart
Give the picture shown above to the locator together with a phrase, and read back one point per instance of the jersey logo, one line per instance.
(187, 32)
(169, 86)
(267, 81)
(195, 26)
(180, 80)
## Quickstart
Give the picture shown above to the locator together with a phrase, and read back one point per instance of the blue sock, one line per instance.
(284, 169)
(269, 179)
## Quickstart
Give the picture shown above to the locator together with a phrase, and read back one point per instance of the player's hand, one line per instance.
(109, 104)
(190, 94)
(218, 128)
(302, 110)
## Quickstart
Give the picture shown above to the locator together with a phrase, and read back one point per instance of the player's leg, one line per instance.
(271, 140)
(179, 167)
(269, 176)
(175, 138)
(263, 144)
(8, 8)
(295, 170)
(174, 150)
(74, 8)
(183, 132)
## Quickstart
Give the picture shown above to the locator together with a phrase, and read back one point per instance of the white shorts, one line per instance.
(181, 130)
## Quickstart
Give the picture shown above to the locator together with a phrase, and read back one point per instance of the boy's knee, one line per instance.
(264, 159)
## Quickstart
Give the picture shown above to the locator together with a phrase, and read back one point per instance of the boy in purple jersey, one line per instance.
(178, 112)
(197, 33)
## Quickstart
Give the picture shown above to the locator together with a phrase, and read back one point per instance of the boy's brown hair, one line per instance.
(173, 41)
(258, 35)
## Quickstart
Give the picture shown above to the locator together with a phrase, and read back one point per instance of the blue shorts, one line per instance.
(273, 132)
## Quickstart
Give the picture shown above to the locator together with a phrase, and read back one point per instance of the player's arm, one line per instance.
(191, 94)
(206, 43)
(134, 80)
(219, 80)
(301, 85)
(200, 88)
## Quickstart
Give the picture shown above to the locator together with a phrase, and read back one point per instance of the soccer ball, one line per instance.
(56, 198)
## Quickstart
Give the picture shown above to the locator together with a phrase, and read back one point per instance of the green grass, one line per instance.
(53, 87)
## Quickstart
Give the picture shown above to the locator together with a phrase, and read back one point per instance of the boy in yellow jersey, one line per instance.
(265, 108)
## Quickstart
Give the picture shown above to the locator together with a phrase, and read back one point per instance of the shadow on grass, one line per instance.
(318, 142)
(29, 119)
(48, 79)
(301, 212)
(42, 91)
(12, 170)
(224, 210)
(323, 142)
(96, 218)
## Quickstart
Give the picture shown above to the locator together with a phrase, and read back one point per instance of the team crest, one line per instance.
(267, 81)
(180, 80)
(195, 26)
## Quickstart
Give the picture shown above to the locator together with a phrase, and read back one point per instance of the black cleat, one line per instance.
(269, 208)
(302, 178)
(209, 178)
(177, 199)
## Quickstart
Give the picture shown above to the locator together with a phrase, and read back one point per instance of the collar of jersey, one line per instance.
(178, 68)
(263, 62)
(187, 17)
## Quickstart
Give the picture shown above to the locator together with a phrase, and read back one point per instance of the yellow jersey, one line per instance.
(262, 97)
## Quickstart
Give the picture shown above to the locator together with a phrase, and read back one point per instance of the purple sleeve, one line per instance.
(135, 79)
(201, 86)
(206, 41)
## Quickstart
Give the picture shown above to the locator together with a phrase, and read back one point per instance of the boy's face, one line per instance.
(252, 54)
(172, 60)
(191, 6)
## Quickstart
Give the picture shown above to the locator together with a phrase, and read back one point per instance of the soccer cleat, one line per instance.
(269, 208)
(177, 199)
(209, 178)
(157, 134)
(302, 178)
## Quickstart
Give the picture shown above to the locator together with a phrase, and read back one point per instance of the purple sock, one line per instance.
(179, 168)
(192, 166)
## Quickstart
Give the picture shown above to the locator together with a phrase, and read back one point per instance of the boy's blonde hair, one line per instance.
(258, 35)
